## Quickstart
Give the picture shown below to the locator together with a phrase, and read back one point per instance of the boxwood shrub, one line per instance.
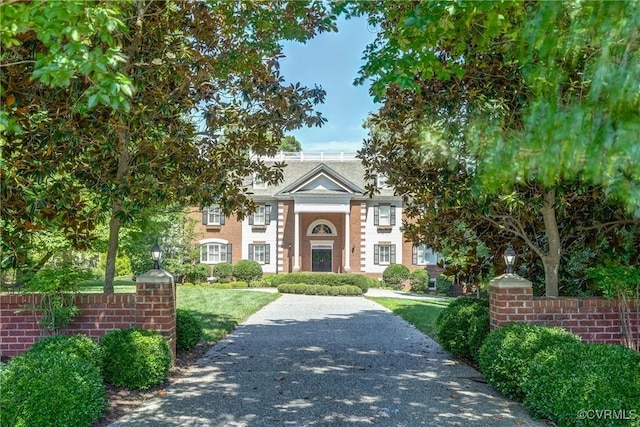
(50, 388)
(188, 330)
(419, 280)
(330, 279)
(135, 358)
(444, 285)
(80, 346)
(564, 380)
(223, 272)
(247, 270)
(463, 325)
(301, 288)
(507, 352)
(395, 274)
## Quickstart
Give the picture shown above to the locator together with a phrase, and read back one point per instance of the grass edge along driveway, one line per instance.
(420, 313)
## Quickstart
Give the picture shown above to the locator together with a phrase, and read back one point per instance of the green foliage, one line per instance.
(265, 282)
(196, 273)
(57, 287)
(562, 381)
(444, 285)
(223, 272)
(395, 275)
(419, 280)
(331, 279)
(289, 144)
(247, 270)
(462, 327)
(80, 346)
(188, 330)
(229, 285)
(135, 358)
(302, 288)
(614, 281)
(507, 353)
(51, 388)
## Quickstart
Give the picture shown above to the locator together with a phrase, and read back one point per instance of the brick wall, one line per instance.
(594, 319)
(151, 307)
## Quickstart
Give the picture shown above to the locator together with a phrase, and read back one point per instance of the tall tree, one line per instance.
(289, 144)
(198, 70)
(463, 84)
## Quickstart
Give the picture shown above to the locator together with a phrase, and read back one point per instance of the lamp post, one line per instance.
(510, 259)
(156, 253)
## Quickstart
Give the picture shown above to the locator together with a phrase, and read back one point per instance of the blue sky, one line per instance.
(332, 60)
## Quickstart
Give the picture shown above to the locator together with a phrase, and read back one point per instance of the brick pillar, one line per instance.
(510, 300)
(156, 305)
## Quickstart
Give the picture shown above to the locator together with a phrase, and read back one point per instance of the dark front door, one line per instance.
(321, 260)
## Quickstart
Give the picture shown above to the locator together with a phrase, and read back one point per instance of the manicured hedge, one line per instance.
(80, 346)
(565, 382)
(395, 275)
(302, 288)
(419, 280)
(463, 325)
(247, 270)
(50, 388)
(507, 353)
(329, 279)
(188, 330)
(135, 358)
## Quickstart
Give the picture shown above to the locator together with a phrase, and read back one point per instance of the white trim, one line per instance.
(213, 240)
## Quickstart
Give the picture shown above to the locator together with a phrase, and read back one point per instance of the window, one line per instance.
(381, 181)
(215, 253)
(384, 254)
(260, 253)
(213, 216)
(424, 255)
(262, 215)
(322, 229)
(258, 182)
(384, 215)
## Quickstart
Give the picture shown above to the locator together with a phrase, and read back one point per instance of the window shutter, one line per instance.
(251, 219)
(392, 259)
(221, 218)
(414, 259)
(203, 253)
(267, 214)
(205, 217)
(376, 215)
(251, 252)
(229, 253)
(392, 214)
(376, 254)
(267, 259)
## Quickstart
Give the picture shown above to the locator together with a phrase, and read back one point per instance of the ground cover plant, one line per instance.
(420, 313)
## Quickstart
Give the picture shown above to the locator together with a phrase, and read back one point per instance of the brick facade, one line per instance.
(151, 307)
(594, 319)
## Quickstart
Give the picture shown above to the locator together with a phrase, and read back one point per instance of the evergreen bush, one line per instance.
(419, 280)
(395, 274)
(301, 288)
(564, 381)
(223, 272)
(189, 330)
(135, 358)
(444, 285)
(247, 270)
(329, 279)
(508, 351)
(463, 325)
(50, 388)
(80, 346)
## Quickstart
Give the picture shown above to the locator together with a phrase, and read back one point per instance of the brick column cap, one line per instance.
(511, 281)
(155, 276)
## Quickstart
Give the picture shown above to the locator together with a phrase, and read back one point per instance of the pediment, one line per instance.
(322, 180)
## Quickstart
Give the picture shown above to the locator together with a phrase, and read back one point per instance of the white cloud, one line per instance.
(332, 146)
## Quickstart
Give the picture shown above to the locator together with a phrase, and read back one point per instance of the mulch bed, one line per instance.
(123, 400)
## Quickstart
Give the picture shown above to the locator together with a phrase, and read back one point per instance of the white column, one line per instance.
(296, 242)
(347, 242)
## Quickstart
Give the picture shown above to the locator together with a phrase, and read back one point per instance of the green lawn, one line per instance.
(221, 310)
(120, 286)
(420, 313)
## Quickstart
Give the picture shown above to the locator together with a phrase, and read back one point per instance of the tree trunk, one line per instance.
(112, 251)
(551, 261)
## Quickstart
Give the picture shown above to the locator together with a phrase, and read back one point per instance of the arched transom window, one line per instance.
(321, 228)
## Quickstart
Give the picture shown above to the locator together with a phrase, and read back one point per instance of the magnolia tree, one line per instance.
(515, 121)
(114, 107)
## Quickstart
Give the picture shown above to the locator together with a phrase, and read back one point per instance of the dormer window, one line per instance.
(381, 181)
(259, 183)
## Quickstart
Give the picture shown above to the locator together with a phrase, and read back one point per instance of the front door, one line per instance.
(321, 260)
